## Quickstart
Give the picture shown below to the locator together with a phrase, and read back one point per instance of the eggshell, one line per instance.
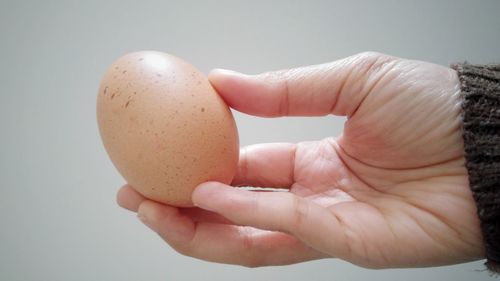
(164, 126)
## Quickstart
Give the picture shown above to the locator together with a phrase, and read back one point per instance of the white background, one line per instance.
(58, 216)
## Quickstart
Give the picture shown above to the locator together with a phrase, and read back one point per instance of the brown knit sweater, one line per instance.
(480, 86)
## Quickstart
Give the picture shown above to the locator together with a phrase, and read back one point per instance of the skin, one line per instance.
(391, 191)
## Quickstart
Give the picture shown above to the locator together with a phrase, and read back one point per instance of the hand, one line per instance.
(391, 191)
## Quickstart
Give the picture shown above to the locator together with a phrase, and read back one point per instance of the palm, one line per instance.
(396, 177)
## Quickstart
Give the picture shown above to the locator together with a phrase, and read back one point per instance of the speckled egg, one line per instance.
(164, 127)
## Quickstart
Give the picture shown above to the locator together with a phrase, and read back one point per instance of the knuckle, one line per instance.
(247, 239)
(284, 106)
(370, 62)
(370, 54)
(282, 79)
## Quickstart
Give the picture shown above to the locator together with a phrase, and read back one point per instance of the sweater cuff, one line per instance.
(480, 85)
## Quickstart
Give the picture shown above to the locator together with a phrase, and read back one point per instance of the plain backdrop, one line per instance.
(58, 216)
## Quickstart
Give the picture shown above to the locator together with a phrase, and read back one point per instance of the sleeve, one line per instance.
(480, 85)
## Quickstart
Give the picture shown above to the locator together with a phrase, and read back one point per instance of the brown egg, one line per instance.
(164, 127)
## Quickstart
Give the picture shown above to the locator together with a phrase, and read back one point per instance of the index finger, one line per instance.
(332, 88)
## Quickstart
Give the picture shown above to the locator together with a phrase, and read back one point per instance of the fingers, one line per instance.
(314, 225)
(332, 88)
(221, 242)
(129, 199)
(266, 165)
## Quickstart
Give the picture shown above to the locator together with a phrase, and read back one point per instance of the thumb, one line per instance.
(311, 223)
(333, 88)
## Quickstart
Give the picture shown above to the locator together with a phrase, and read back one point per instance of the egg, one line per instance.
(164, 126)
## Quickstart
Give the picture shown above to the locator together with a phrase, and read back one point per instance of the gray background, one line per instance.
(59, 219)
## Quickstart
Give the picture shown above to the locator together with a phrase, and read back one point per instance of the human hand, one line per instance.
(391, 191)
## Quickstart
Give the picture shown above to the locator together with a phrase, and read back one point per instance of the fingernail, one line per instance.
(203, 206)
(203, 192)
(227, 72)
(145, 221)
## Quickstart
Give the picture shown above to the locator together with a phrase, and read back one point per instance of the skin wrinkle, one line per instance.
(317, 88)
(370, 66)
(248, 243)
(337, 147)
(284, 107)
(348, 251)
(439, 114)
(382, 188)
(437, 241)
(301, 210)
(394, 169)
(373, 69)
(442, 219)
(340, 92)
(336, 99)
(390, 227)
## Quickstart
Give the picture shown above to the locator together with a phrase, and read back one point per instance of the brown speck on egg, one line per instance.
(105, 90)
(126, 105)
(113, 95)
(123, 72)
(202, 109)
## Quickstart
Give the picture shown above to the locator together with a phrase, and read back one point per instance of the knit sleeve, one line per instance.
(480, 85)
